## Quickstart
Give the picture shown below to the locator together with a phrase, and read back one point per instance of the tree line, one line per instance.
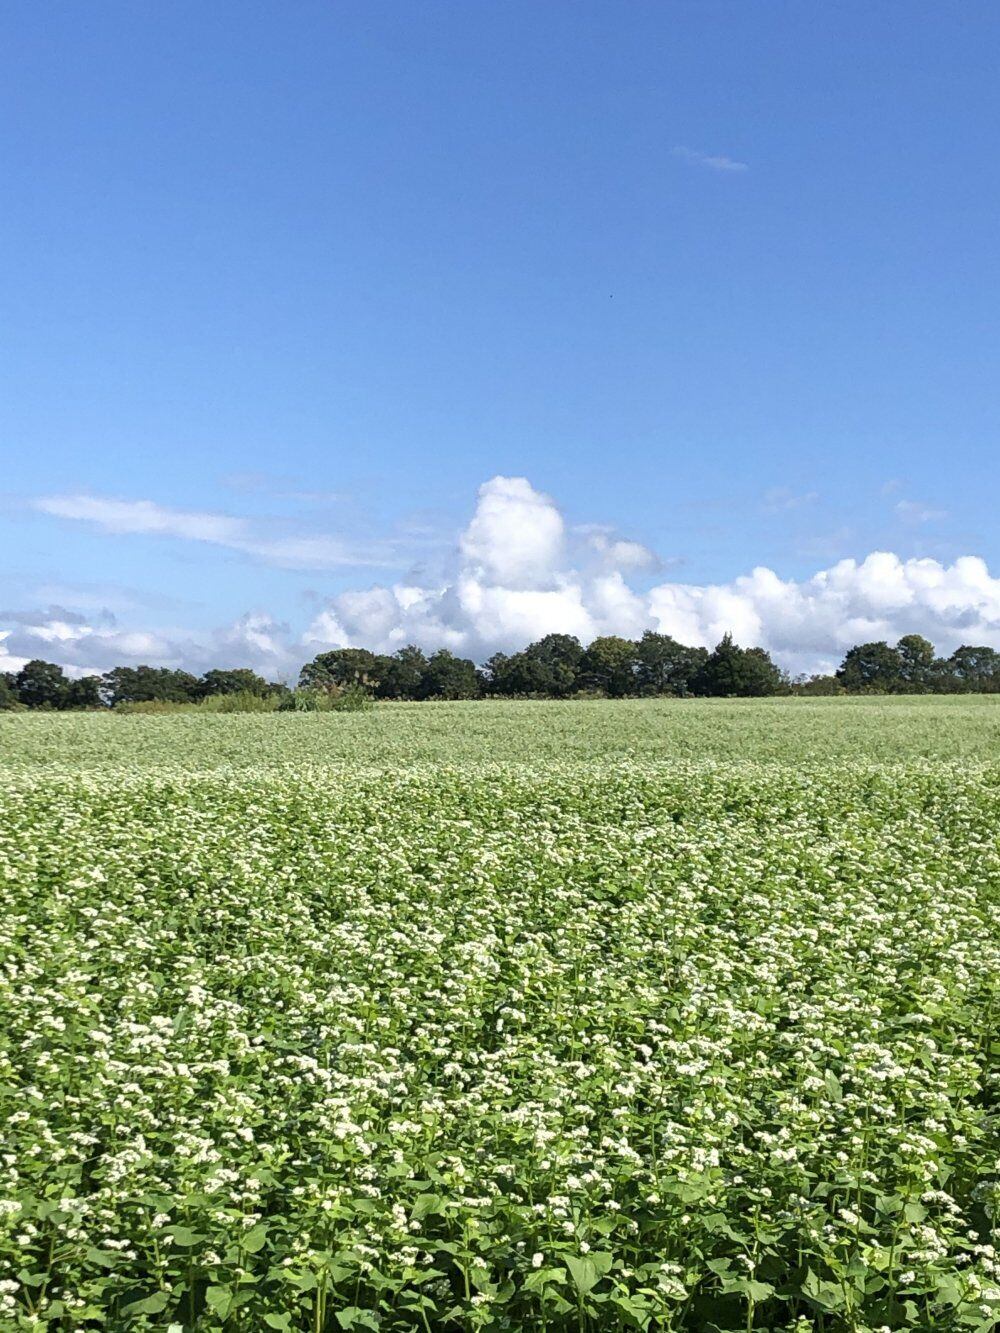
(556, 666)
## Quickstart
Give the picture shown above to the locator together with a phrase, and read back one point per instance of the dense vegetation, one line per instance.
(555, 667)
(800, 732)
(415, 1040)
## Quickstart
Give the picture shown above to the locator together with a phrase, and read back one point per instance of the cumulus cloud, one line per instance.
(520, 576)
(145, 517)
(520, 571)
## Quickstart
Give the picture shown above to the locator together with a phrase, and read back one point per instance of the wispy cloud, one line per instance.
(914, 511)
(145, 517)
(713, 161)
(782, 497)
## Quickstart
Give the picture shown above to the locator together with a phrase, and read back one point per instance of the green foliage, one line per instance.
(664, 666)
(41, 685)
(450, 677)
(609, 665)
(240, 701)
(146, 684)
(972, 670)
(339, 668)
(351, 699)
(85, 692)
(240, 680)
(738, 673)
(568, 1045)
(871, 668)
(815, 687)
(550, 668)
(401, 676)
(8, 692)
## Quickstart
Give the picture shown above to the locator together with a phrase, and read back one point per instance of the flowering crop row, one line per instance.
(653, 1046)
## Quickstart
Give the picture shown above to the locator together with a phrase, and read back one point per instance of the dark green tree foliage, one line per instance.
(239, 680)
(973, 670)
(8, 691)
(450, 677)
(41, 685)
(731, 671)
(556, 666)
(339, 668)
(871, 668)
(401, 676)
(142, 684)
(817, 686)
(555, 663)
(550, 668)
(609, 665)
(917, 665)
(84, 693)
(664, 666)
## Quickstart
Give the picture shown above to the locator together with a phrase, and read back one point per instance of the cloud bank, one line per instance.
(519, 571)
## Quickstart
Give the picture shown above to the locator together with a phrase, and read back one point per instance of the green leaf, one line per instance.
(218, 1299)
(424, 1204)
(353, 1317)
(150, 1304)
(827, 1295)
(184, 1237)
(278, 1321)
(586, 1270)
(254, 1240)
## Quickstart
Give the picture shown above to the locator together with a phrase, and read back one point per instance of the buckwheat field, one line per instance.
(547, 1017)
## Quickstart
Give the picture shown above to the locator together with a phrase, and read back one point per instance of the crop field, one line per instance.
(553, 1017)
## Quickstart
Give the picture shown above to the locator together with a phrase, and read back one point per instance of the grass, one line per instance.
(502, 1016)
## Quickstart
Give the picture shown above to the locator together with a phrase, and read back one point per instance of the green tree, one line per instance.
(339, 668)
(401, 676)
(84, 693)
(917, 668)
(817, 685)
(731, 671)
(8, 692)
(142, 684)
(972, 669)
(552, 665)
(664, 666)
(238, 680)
(498, 674)
(41, 685)
(871, 668)
(450, 677)
(609, 664)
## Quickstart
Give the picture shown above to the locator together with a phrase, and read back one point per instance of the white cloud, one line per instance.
(916, 512)
(145, 517)
(255, 640)
(519, 572)
(520, 576)
(516, 535)
(714, 161)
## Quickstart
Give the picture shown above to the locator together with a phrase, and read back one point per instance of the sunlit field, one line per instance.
(794, 731)
(585, 1016)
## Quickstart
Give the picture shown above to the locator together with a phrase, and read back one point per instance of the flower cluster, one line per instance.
(620, 1045)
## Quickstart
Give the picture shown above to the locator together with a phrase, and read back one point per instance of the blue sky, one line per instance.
(282, 287)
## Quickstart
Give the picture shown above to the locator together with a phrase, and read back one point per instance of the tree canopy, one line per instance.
(556, 666)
